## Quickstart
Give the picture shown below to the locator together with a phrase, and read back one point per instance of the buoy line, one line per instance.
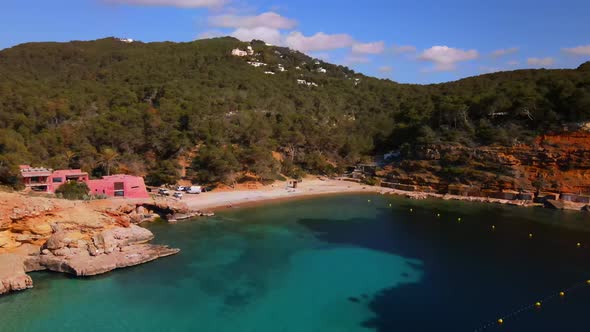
(537, 305)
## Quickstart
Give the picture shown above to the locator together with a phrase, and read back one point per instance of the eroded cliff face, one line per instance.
(80, 238)
(554, 162)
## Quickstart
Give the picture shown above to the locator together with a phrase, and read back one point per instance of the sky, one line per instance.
(417, 41)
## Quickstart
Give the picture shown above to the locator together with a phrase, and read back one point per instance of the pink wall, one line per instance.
(132, 186)
(61, 176)
(127, 185)
(48, 180)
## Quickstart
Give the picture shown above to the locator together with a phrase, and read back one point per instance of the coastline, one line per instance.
(310, 187)
(219, 200)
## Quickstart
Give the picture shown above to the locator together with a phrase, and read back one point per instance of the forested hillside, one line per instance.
(144, 106)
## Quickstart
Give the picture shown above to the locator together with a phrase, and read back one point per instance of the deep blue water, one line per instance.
(341, 263)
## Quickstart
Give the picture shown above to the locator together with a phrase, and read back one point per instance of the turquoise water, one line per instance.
(342, 263)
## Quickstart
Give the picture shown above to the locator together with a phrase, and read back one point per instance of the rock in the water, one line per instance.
(12, 274)
(83, 264)
(110, 249)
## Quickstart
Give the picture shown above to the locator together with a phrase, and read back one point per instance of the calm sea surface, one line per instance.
(340, 263)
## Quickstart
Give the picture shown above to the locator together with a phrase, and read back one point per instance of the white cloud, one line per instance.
(513, 63)
(579, 50)
(268, 20)
(540, 62)
(385, 69)
(504, 51)
(354, 59)
(446, 58)
(368, 48)
(318, 42)
(399, 49)
(269, 35)
(173, 3)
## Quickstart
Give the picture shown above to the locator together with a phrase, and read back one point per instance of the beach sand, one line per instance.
(277, 191)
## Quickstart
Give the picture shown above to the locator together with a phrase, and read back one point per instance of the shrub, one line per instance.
(371, 181)
(73, 191)
(291, 170)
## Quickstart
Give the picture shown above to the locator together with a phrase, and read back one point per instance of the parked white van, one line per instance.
(194, 190)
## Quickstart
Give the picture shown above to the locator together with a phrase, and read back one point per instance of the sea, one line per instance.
(357, 262)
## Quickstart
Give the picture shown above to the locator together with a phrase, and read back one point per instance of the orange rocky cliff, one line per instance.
(80, 238)
(558, 163)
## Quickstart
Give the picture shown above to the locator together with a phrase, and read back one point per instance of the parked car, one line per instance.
(194, 190)
(181, 188)
(178, 195)
(164, 192)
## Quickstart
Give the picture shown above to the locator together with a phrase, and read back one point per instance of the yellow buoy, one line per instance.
(458, 219)
(500, 321)
(530, 235)
(369, 200)
(411, 210)
(578, 244)
(493, 226)
(588, 282)
(389, 204)
(438, 214)
(538, 304)
(562, 294)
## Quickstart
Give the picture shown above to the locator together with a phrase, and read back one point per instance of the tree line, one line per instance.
(108, 106)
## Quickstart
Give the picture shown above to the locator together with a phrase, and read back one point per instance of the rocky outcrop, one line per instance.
(82, 263)
(80, 238)
(165, 208)
(108, 250)
(12, 274)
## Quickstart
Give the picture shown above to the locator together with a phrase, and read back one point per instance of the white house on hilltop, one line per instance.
(256, 64)
(304, 82)
(126, 40)
(238, 52)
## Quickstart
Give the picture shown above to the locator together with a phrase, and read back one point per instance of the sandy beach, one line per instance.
(277, 191)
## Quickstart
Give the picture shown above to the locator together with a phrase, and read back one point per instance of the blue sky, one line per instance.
(419, 41)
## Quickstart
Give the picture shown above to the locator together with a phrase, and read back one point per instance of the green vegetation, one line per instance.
(73, 191)
(108, 106)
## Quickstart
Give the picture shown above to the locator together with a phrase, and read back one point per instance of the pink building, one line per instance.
(119, 186)
(47, 180)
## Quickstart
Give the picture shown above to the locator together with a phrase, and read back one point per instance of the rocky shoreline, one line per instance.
(552, 204)
(78, 238)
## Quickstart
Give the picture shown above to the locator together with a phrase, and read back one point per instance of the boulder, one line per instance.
(135, 218)
(117, 237)
(12, 274)
(62, 239)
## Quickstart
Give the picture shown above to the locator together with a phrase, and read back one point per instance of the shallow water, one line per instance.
(337, 263)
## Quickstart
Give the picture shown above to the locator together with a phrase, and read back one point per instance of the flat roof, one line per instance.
(34, 174)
